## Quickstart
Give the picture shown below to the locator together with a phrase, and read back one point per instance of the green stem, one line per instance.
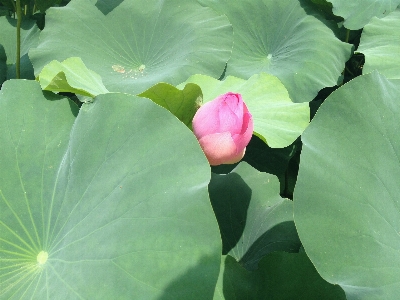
(19, 19)
(347, 35)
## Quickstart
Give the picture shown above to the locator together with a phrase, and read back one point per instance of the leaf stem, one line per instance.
(18, 62)
(347, 35)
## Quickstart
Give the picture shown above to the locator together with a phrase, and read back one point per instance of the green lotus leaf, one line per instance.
(104, 206)
(139, 43)
(378, 44)
(8, 39)
(346, 200)
(277, 120)
(181, 103)
(357, 13)
(253, 219)
(280, 276)
(72, 76)
(283, 41)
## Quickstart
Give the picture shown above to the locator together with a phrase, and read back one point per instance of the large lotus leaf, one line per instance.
(380, 43)
(277, 120)
(181, 103)
(280, 38)
(347, 197)
(280, 276)
(112, 206)
(139, 43)
(253, 219)
(71, 76)
(8, 38)
(357, 13)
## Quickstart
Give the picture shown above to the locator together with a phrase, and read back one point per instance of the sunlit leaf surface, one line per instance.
(346, 201)
(282, 39)
(380, 43)
(112, 204)
(139, 43)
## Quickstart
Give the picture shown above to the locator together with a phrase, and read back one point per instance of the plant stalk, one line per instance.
(347, 35)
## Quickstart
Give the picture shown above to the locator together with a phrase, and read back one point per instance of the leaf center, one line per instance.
(42, 257)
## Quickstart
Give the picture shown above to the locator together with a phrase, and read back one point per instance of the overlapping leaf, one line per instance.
(280, 276)
(181, 103)
(280, 38)
(346, 201)
(71, 76)
(271, 160)
(139, 43)
(380, 43)
(254, 220)
(103, 207)
(357, 13)
(277, 120)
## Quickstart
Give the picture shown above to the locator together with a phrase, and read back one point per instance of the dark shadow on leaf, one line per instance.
(25, 24)
(280, 276)
(54, 97)
(230, 197)
(198, 282)
(322, 10)
(238, 282)
(223, 169)
(3, 65)
(26, 69)
(106, 6)
(281, 237)
(270, 160)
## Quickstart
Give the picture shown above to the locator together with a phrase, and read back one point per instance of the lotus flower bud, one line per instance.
(224, 127)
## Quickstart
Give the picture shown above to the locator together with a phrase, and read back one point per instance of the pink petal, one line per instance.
(224, 113)
(206, 119)
(242, 140)
(245, 123)
(231, 113)
(220, 148)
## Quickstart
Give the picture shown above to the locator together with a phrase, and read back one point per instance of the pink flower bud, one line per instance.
(224, 128)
